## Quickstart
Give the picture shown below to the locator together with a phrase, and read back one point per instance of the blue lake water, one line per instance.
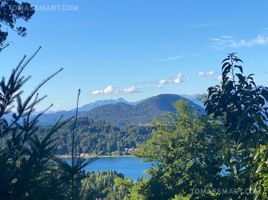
(131, 167)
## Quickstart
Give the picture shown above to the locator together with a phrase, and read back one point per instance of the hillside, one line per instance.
(142, 113)
(115, 128)
(52, 117)
(121, 112)
(99, 137)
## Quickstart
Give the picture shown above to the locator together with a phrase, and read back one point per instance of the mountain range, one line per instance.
(121, 112)
(51, 117)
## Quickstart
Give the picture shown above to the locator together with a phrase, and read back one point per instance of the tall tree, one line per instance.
(186, 150)
(241, 106)
(27, 169)
(221, 155)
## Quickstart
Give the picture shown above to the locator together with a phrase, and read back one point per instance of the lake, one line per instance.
(131, 167)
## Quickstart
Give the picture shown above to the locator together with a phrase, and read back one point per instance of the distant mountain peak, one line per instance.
(90, 106)
(141, 113)
(121, 112)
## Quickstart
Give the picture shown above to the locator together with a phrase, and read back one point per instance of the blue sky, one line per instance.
(135, 48)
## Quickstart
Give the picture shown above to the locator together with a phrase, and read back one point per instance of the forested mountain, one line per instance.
(121, 112)
(50, 117)
(90, 106)
(142, 113)
(113, 128)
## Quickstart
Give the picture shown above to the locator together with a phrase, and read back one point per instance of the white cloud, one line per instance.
(227, 41)
(108, 90)
(205, 74)
(201, 74)
(173, 58)
(179, 78)
(97, 92)
(130, 90)
(219, 77)
(162, 82)
(112, 90)
(210, 73)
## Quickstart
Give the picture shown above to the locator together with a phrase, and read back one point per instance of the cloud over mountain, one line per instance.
(176, 79)
(112, 90)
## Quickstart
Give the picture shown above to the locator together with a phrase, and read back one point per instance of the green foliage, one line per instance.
(122, 188)
(100, 185)
(99, 137)
(185, 148)
(222, 155)
(241, 106)
(179, 197)
(26, 160)
(29, 168)
(143, 113)
(12, 11)
(260, 173)
(139, 190)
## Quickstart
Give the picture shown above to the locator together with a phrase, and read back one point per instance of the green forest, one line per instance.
(99, 137)
(221, 153)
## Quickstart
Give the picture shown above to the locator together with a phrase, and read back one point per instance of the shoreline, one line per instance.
(95, 156)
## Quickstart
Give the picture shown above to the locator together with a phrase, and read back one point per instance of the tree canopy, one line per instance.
(11, 12)
(219, 155)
